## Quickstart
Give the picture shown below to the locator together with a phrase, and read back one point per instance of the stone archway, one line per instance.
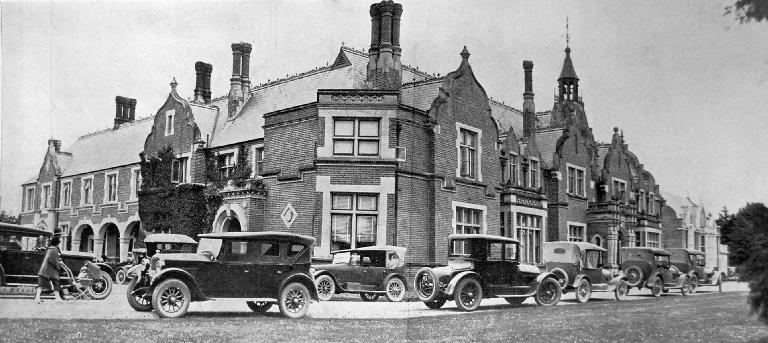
(597, 240)
(230, 218)
(109, 237)
(85, 238)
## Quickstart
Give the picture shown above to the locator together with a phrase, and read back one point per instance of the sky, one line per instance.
(687, 85)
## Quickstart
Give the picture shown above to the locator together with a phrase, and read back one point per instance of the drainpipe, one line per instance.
(398, 128)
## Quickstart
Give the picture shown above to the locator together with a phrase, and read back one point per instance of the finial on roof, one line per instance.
(567, 35)
(615, 129)
(174, 83)
(465, 53)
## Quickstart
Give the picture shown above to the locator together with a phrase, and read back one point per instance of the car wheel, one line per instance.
(136, 297)
(583, 291)
(120, 277)
(694, 283)
(369, 297)
(101, 288)
(395, 289)
(171, 299)
(468, 294)
(549, 292)
(425, 284)
(294, 300)
(621, 291)
(634, 276)
(259, 306)
(686, 286)
(326, 288)
(435, 304)
(515, 300)
(561, 276)
(657, 288)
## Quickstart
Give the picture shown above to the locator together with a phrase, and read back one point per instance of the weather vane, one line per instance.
(567, 33)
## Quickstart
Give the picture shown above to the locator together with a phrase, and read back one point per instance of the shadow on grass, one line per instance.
(233, 315)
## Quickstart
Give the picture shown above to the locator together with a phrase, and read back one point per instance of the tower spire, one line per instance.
(568, 82)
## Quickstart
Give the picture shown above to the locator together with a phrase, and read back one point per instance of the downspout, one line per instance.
(398, 128)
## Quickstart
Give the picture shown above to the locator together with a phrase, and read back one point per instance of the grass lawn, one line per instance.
(714, 317)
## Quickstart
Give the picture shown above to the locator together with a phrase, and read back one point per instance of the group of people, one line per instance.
(48, 275)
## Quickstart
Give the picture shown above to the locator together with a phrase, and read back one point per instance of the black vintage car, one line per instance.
(691, 262)
(651, 268)
(22, 250)
(262, 267)
(368, 271)
(484, 266)
(579, 266)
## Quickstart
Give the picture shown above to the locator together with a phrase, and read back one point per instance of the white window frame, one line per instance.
(257, 168)
(479, 150)
(170, 115)
(29, 200)
(356, 138)
(354, 212)
(537, 231)
(650, 203)
(575, 168)
(531, 173)
(45, 197)
(232, 152)
(185, 177)
(614, 181)
(135, 182)
(90, 192)
(656, 244)
(512, 163)
(641, 201)
(483, 217)
(65, 201)
(106, 199)
(583, 227)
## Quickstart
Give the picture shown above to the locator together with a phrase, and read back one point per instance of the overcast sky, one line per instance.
(688, 86)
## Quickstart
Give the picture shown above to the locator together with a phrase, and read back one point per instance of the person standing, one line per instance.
(48, 276)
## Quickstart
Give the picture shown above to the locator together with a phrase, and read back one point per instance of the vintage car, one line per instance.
(651, 268)
(135, 257)
(580, 266)
(368, 271)
(691, 262)
(484, 266)
(262, 267)
(22, 250)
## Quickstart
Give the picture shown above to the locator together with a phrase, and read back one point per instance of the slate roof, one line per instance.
(547, 141)
(421, 94)
(205, 118)
(568, 71)
(89, 154)
(602, 151)
(506, 117)
(544, 118)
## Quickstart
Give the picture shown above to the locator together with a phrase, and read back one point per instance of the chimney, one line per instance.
(384, 67)
(236, 87)
(529, 109)
(207, 83)
(244, 77)
(125, 110)
(55, 144)
(203, 82)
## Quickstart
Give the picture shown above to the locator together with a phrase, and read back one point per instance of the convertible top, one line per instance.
(22, 230)
(655, 251)
(263, 234)
(581, 245)
(168, 238)
(400, 251)
(690, 251)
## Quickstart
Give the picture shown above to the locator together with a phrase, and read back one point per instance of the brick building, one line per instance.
(369, 151)
(687, 224)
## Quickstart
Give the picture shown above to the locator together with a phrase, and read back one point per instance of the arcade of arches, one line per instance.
(109, 242)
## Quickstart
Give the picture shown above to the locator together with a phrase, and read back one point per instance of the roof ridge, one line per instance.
(503, 104)
(271, 83)
(98, 132)
(425, 81)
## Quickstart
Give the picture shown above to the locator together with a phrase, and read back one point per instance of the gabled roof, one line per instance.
(547, 143)
(506, 117)
(420, 94)
(125, 143)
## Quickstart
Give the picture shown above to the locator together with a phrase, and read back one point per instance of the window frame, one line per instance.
(107, 191)
(87, 196)
(136, 181)
(356, 137)
(582, 230)
(572, 176)
(528, 231)
(180, 169)
(225, 171)
(66, 199)
(468, 165)
(354, 212)
(534, 173)
(513, 169)
(615, 192)
(45, 196)
(29, 198)
(170, 117)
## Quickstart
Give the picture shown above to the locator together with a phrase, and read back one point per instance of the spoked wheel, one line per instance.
(259, 306)
(657, 288)
(694, 283)
(516, 300)
(686, 287)
(583, 291)
(136, 295)
(171, 299)
(294, 300)
(120, 277)
(468, 294)
(621, 291)
(369, 297)
(326, 288)
(101, 288)
(395, 289)
(435, 304)
(634, 276)
(549, 292)
(425, 284)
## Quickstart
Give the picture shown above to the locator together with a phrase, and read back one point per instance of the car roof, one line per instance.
(481, 236)
(580, 245)
(655, 251)
(262, 234)
(399, 250)
(22, 230)
(690, 251)
(168, 238)
(140, 250)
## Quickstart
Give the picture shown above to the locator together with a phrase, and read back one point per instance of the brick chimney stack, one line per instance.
(203, 82)
(529, 109)
(240, 84)
(55, 144)
(125, 110)
(384, 67)
(244, 75)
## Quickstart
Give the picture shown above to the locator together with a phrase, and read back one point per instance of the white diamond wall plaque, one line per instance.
(288, 215)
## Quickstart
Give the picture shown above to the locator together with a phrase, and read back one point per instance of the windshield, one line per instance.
(662, 260)
(593, 259)
(212, 245)
(699, 260)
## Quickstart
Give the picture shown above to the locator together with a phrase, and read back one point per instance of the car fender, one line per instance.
(134, 270)
(456, 278)
(612, 283)
(180, 274)
(304, 279)
(107, 268)
(543, 276)
(390, 276)
(320, 273)
(577, 280)
(561, 271)
(651, 279)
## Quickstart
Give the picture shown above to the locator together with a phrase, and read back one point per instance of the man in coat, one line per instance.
(48, 276)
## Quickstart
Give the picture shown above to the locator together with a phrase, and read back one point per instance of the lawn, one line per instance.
(714, 317)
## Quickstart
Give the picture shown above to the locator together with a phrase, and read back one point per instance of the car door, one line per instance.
(373, 267)
(351, 277)
(228, 276)
(496, 270)
(268, 272)
(592, 267)
(662, 265)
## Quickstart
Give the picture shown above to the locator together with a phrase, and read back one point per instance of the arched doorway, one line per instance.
(111, 247)
(135, 235)
(231, 225)
(597, 240)
(86, 238)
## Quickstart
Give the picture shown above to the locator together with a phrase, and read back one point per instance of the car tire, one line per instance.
(548, 293)
(120, 277)
(634, 276)
(686, 286)
(369, 297)
(435, 304)
(294, 300)
(657, 288)
(326, 288)
(561, 276)
(621, 291)
(468, 294)
(100, 289)
(395, 289)
(259, 306)
(426, 284)
(694, 283)
(583, 291)
(171, 299)
(137, 301)
(515, 300)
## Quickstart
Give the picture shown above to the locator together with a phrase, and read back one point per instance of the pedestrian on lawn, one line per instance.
(48, 276)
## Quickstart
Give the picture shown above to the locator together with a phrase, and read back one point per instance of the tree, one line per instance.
(8, 218)
(746, 234)
(749, 10)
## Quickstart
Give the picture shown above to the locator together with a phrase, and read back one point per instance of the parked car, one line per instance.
(692, 263)
(580, 266)
(22, 250)
(651, 268)
(484, 266)
(369, 271)
(138, 274)
(263, 267)
(135, 257)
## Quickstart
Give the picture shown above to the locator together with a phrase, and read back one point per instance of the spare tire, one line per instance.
(561, 276)
(426, 285)
(634, 276)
